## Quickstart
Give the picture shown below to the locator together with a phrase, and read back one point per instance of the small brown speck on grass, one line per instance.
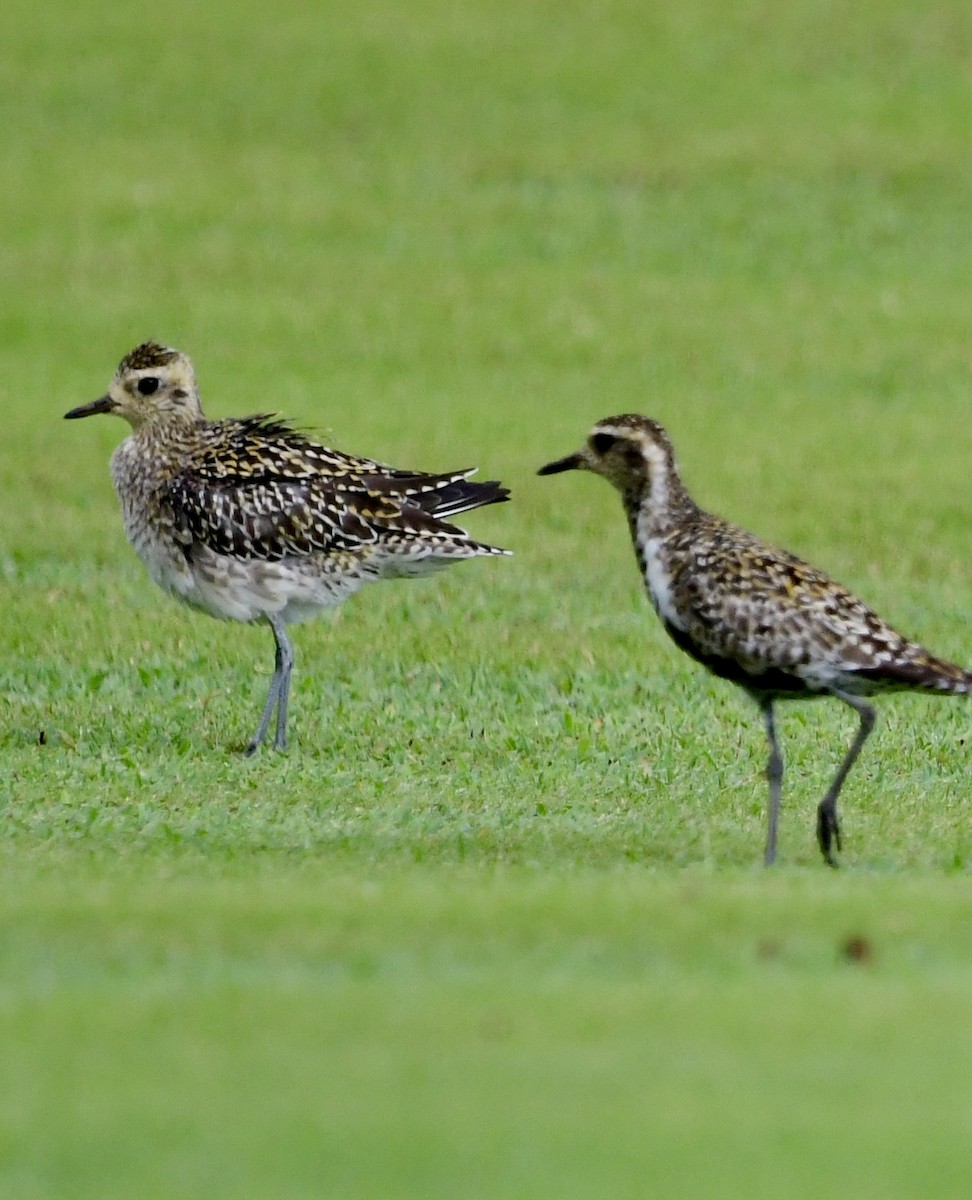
(857, 949)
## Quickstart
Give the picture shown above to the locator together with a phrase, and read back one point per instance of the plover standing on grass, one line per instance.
(248, 519)
(750, 613)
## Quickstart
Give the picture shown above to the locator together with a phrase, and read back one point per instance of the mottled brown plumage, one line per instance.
(751, 613)
(246, 518)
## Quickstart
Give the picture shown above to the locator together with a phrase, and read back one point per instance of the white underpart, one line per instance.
(659, 581)
(658, 578)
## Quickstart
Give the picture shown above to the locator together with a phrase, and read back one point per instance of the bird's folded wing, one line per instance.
(274, 519)
(256, 488)
(773, 610)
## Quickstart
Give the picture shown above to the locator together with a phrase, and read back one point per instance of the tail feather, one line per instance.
(923, 673)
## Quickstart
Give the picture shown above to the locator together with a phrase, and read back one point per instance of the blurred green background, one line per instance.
(495, 925)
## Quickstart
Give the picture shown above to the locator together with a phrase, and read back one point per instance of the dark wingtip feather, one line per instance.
(463, 495)
(491, 491)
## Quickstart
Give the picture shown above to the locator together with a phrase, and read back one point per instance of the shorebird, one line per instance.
(750, 613)
(248, 519)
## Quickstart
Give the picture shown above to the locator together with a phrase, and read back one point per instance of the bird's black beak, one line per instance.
(101, 405)
(572, 462)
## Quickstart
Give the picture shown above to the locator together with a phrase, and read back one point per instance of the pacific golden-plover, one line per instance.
(750, 613)
(248, 519)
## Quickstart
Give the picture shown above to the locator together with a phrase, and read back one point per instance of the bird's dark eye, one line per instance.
(148, 384)
(602, 442)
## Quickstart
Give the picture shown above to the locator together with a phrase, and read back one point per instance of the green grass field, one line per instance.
(495, 926)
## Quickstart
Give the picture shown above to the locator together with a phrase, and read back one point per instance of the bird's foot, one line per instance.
(279, 743)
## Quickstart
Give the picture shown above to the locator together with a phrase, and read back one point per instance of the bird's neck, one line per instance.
(659, 502)
(153, 453)
(167, 429)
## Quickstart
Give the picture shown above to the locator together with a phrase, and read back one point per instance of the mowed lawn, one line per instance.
(495, 925)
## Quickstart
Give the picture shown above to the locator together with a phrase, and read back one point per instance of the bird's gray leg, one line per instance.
(285, 660)
(828, 827)
(279, 692)
(774, 773)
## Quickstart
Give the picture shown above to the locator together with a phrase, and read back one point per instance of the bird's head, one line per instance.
(629, 451)
(151, 382)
